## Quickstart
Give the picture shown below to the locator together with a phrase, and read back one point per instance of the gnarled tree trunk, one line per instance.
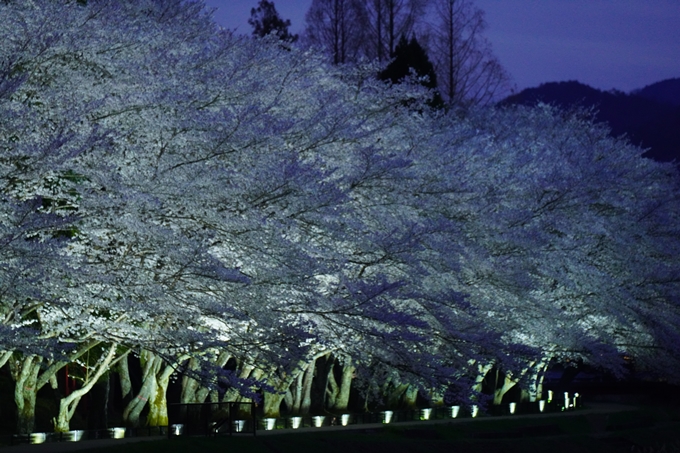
(338, 394)
(150, 367)
(535, 392)
(25, 376)
(28, 378)
(68, 404)
(272, 401)
(158, 402)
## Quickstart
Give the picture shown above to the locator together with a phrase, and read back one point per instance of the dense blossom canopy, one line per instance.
(169, 187)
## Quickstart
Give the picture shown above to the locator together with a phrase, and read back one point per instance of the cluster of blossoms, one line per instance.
(242, 212)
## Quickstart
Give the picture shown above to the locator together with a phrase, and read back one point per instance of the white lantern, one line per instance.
(387, 416)
(238, 425)
(269, 424)
(318, 420)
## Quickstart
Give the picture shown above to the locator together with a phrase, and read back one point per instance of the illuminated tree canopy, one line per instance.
(244, 214)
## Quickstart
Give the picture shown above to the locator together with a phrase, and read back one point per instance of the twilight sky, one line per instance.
(622, 44)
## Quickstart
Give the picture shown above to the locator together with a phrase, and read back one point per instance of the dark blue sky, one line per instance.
(622, 44)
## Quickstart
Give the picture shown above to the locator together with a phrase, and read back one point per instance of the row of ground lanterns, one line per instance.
(388, 416)
(295, 422)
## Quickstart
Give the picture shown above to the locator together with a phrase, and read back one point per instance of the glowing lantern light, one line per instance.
(318, 420)
(239, 425)
(117, 433)
(453, 411)
(387, 416)
(38, 438)
(269, 424)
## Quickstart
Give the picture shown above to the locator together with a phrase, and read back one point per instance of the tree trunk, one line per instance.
(272, 404)
(285, 388)
(272, 401)
(395, 397)
(306, 401)
(289, 383)
(192, 390)
(437, 397)
(482, 371)
(28, 380)
(158, 403)
(4, 357)
(151, 365)
(125, 382)
(410, 397)
(509, 382)
(536, 385)
(499, 392)
(233, 394)
(297, 392)
(342, 399)
(190, 385)
(332, 388)
(25, 392)
(68, 404)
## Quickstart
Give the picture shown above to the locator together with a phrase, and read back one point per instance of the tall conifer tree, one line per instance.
(265, 20)
(411, 58)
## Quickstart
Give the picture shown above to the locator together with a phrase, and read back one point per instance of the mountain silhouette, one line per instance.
(649, 117)
(664, 92)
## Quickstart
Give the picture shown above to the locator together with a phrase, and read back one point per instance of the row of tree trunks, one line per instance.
(329, 372)
(281, 383)
(500, 382)
(31, 373)
(193, 391)
(245, 371)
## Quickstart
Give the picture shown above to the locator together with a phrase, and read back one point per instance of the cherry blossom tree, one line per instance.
(248, 214)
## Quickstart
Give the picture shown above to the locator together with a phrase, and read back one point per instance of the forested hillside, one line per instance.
(649, 118)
